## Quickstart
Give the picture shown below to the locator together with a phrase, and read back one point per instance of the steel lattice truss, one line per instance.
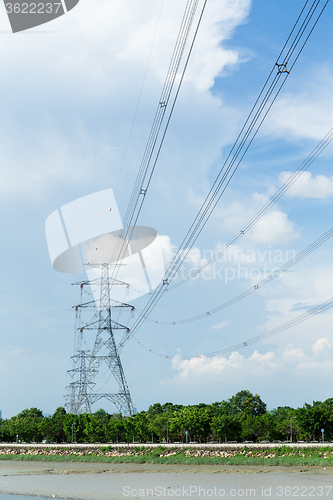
(87, 364)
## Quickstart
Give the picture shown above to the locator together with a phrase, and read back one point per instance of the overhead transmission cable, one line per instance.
(272, 276)
(254, 340)
(161, 121)
(139, 97)
(149, 174)
(280, 192)
(296, 41)
(243, 142)
(149, 160)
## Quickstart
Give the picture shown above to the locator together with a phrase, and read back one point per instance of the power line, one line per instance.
(274, 275)
(139, 97)
(286, 61)
(254, 340)
(231, 166)
(246, 139)
(281, 191)
(149, 161)
(139, 187)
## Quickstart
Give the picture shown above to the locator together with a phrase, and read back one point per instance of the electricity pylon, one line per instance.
(81, 395)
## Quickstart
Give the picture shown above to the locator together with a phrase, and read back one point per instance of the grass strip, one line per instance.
(180, 460)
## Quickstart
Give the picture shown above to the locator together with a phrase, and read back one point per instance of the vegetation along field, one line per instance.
(244, 417)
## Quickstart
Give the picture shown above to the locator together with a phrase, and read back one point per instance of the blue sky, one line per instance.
(68, 101)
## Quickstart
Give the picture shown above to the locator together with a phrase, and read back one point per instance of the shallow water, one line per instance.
(22, 497)
(96, 481)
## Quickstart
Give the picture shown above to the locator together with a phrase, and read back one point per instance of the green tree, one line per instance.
(247, 404)
(97, 428)
(27, 425)
(256, 428)
(5, 434)
(141, 426)
(157, 426)
(312, 418)
(57, 425)
(195, 420)
(155, 409)
(226, 427)
(116, 428)
(79, 423)
(280, 423)
(171, 408)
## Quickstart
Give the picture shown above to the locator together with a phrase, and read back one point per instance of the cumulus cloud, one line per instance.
(307, 186)
(274, 227)
(83, 84)
(209, 63)
(193, 258)
(304, 113)
(257, 364)
(168, 249)
(321, 345)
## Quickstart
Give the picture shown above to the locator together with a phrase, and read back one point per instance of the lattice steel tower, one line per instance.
(87, 363)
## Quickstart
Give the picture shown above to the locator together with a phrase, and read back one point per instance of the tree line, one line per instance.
(243, 417)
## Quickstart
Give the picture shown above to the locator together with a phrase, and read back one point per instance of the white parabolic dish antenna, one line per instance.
(89, 232)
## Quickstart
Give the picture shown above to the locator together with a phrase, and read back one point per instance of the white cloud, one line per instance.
(45, 158)
(321, 345)
(296, 292)
(238, 365)
(83, 83)
(273, 228)
(308, 111)
(236, 214)
(168, 249)
(220, 326)
(193, 258)
(307, 186)
(210, 56)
